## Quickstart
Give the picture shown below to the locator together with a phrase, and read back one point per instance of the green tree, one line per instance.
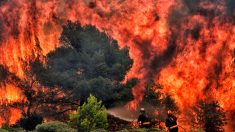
(91, 115)
(89, 62)
(209, 116)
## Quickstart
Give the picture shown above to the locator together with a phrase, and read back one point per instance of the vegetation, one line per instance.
(39, 99)
(89, 62)
(154, 96)
(30, 122)
(169, 103)
(152, 93)
(161, 102)
(11, 129)
(3, 130)
(54, 126)
(90, 116)
(144, 130)
(209, 116)
(99, 130)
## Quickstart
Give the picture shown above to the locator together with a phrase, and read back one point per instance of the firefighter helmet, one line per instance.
(142, 109)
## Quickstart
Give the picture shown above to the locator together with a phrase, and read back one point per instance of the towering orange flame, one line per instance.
(186, 46)
(25, 25)
(192, 56)
(9, 94)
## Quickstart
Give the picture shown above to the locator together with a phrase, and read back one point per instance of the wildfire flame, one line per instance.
(187, 47)
(10, 94)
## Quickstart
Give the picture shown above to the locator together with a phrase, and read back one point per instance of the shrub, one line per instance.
(30, 122)
(125, 130)
(3, 130)
(99, 130)
(11, 129)
(144, 130)
(138, 130)
(90, 116)
(54, 126)
(5, 127)
(154, 130)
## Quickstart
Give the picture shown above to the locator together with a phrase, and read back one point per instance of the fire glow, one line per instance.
(189, 48)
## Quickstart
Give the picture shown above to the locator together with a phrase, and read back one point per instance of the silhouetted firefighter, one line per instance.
(143, 119)
(171, 122)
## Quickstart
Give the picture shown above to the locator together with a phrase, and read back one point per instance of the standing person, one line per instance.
(142, 119)
(171, 122)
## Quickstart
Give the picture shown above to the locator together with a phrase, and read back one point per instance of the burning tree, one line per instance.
(162, 102)
(169, 103)
(36, 99)
(209, 116)
(153, 93)
(88, 62)
(51, 102)
(6, 110)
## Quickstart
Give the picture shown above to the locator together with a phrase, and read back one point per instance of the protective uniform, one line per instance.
(171, 123)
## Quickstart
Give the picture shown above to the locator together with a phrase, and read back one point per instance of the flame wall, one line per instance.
(188, 46)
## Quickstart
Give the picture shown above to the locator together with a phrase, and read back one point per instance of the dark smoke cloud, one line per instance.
(232, 115)
(153, 62)
(1, 35)
(144, 45)
(230, 7)
(7, 77)
(163, 59)
(195, 32)
(3, 73)
(193, 7)
(177, 19)
(9, 19)
(2, 2)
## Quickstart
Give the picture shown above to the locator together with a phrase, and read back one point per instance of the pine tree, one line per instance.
(209, 116)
